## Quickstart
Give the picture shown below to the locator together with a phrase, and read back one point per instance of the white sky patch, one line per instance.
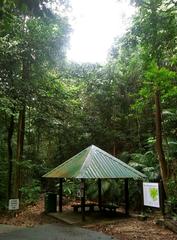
(95, 24)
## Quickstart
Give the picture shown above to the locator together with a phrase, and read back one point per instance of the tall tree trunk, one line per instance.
(20, 144)
(138, 132)
(159, 146)
(10, 154)
(114, 149)
(21, 126)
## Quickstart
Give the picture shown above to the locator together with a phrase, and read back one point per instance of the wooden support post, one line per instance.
(162, 197)
(126, 197)
(61, 195)
(140, 186)
(83, 199)
(99, 194)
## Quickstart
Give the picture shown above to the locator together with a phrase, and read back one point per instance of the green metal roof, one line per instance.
(93, 162)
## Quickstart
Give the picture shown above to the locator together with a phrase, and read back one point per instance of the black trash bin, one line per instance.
(50, 202)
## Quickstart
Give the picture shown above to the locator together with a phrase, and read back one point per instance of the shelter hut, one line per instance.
(94, 163)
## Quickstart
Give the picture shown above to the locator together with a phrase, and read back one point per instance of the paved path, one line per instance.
(8, 228)
(50, 232)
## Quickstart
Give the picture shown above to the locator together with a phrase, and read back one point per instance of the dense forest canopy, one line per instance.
(50, 108)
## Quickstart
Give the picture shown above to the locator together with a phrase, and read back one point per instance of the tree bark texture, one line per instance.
(20, 144)
(114, 149)
(21, 127)
(159, 146)
(10, 154)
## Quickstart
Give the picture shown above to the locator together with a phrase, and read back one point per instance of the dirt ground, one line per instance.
(122, 229)
(28, 217)
(131, 229)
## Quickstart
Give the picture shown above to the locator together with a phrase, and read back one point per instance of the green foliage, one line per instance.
(31, 192)
(111, 190)
(147, 164)
(125, 157)
(171, 204)
(70, 106)
(155, 79)
(92, 190)
(3, 187)
(32, 46)
(70, 188)
(135, 195)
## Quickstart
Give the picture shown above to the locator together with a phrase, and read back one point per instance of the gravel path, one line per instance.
(50, 232)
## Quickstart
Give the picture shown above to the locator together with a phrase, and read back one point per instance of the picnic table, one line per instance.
(109, 207)
(90, 206)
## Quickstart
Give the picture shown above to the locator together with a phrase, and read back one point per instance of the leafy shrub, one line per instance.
(3, 190)
(146, 163)
(111, 190)
(31, 193)
(171, 205)
(70, 188)
(3, 183)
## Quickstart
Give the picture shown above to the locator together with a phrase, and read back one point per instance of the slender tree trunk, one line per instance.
(20, 144)
(114, 149)
(38, 142)
(159, 146)
(138, 132)
(21, 128)
(10, 154)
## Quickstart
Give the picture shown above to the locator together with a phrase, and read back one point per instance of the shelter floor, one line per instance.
(75, 218)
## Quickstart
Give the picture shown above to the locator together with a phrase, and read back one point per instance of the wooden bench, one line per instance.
(89, 205)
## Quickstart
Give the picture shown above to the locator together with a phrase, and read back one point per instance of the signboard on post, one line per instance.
(151, 195)
(13, 204)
